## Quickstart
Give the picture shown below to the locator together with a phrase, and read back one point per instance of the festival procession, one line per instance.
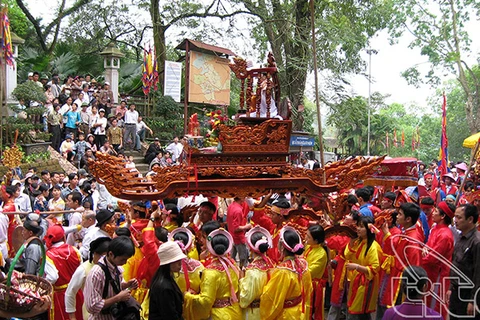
(208, 186)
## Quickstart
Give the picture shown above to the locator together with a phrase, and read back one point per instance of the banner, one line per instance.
(443, 154)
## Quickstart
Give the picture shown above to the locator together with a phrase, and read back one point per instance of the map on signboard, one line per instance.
(209, 79)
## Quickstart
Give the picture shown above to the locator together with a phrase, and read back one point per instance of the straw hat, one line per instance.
(169, 252)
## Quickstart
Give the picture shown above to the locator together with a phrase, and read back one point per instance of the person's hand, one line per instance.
(384, 228)
(333, 264)
(352, 266)
(424, 251)
(447, 296)
(470, 309)
(132, 284)
(124, 295)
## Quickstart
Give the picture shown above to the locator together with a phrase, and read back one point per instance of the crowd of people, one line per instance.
(241, 259)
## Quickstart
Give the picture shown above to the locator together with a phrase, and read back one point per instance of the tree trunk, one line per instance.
(158, 40)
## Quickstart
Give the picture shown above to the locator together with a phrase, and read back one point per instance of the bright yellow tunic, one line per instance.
(214, 287)
(284, 288)
(317, 259)
(363, 288)
(251, 288)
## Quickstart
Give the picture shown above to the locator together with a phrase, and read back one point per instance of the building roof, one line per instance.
(203, 47)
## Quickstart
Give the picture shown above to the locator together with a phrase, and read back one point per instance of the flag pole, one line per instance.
(317, 100)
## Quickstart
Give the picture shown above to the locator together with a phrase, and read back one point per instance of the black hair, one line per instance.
(446, 218)
(427, 201)
(161, 234)
(292, 239)
(210, 226)
(210, 205)
(365, 220)
(317, 232)
(57, 187)
(43, 187)
(76, 197)
(470, 211)
(121, 247)
(44, 172)
(257, 236)
(363, 193)
(316, 165)
(352, 199)
(11, 190)
(163, 274)
(99, 246)
(411, 210)
(370, 189)
(390, 196)
(181, 236)
(174, 210)
(355, 215)
(220, 244)
(414, 278)
(123, 232)
(34, 226)
(72, 176)
(469, 186)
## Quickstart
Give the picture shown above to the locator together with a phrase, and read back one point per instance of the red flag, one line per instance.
(418, 138)
(395, 138)
(386, 135)
(403, 139)
(443, 155)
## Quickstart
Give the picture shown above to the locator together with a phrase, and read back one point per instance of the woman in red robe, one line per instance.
(437, 255)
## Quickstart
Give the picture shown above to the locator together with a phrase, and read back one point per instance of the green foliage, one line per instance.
(167, 119)
(18, 22)
(29, 91)
(33, 158)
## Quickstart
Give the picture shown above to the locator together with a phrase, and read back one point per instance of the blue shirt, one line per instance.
(425, 226)
(72, 118)
(365, 211)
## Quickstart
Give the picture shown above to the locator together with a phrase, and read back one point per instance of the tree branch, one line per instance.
(205, 15)
(76, 6)
(36, 25)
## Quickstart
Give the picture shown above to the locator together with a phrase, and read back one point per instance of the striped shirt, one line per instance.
(94, 290)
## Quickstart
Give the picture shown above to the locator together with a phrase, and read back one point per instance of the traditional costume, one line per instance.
(256, 276)
(363, 288)
(438, 259)
(189, 277)
(317, 258)
(66, 260)
(395, 246)
(216, 300)
(288, 292)
(338, 243)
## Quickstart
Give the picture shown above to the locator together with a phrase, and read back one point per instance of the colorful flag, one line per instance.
(418, 138)
(148, 77)
(443, 154)
(386, 144)
(395, 143)
(7, 49)
(403, 139)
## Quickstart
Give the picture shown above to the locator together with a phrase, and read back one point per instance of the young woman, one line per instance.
(163, 287)
(288, 292)
(189, 277)
(363, 257)
(91, 143)
(257, 273)
(317, 256)
(218, 291)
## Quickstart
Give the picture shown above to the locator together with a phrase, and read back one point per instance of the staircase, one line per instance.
(138, 158)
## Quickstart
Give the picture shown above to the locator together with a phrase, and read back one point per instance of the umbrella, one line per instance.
(471, 141)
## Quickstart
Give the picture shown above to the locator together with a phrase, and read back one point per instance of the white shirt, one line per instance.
(175, 149)
(92, 234)
(76, 283)
(23, 203)
(101, 129)
(75, 219)
(4, 235)
(140, 125)
(131, 117)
